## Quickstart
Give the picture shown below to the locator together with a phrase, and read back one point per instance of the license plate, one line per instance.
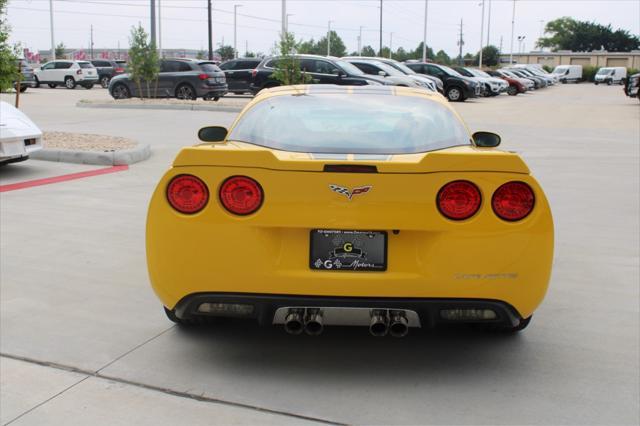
(335, 250)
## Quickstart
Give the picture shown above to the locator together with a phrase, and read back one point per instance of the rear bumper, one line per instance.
(428, 309)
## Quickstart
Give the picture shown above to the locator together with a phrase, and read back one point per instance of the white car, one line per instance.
(497, 85)
(19, 137)
(67, 73)
(610, 75)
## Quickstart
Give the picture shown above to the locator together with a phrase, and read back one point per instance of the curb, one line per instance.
(110, 158)
(187, 107)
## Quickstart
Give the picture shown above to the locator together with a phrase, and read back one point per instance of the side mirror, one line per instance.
(486, 139)
(212, 134)
(382, 73)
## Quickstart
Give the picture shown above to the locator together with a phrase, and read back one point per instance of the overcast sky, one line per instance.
(184, 22)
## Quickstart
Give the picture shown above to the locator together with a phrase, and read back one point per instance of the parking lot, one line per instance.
(84, 339)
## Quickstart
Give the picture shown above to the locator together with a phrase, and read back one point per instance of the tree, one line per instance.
(417, 53)
(490, 56)
(581, 36)
(337, 45)
(144, 64)
(442, 58)
(200, 54)
(287, 67)
(308, 47)
(249, 55)
(368, 51)
(8, 66)
(226, 52)
(60, 49)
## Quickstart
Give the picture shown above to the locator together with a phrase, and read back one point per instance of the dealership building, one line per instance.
(566, 57)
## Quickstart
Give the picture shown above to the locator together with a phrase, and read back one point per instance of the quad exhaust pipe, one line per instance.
(307, 320)
(394, 323)
(399, 325)
(382, 322)
(294, 321)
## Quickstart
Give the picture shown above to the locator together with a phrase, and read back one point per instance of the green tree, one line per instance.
(490, 56)
(144, 64)
(8, 66)
(249, 55)
(401, 55)
(384, 53)
(567, 33)
(226, 52)
(287, 67)
(60, 49)
(368, 51)
(442, 58)
(417, 53)
(337, 46)
(200, 54)
(307, 47)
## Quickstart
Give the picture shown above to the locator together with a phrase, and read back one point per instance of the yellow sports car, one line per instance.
(333, 205)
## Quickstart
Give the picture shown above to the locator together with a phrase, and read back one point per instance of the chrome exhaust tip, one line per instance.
(313, 325)
(379, 323)
(293, 323)
(399, 326)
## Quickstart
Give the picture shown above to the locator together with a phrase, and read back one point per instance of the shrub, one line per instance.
(547, 68)
(589, 72)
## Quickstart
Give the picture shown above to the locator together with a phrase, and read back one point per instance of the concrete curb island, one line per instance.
(105, 158)
(189, 107)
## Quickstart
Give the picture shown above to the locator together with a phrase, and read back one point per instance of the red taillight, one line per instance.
(241, 195)
(513, 201)
(254, 72)
(79, 72)
(120, 70)
(459, 200)
(187, 194)
(203, 76)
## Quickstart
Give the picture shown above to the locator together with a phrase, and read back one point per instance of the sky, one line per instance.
(184, 22)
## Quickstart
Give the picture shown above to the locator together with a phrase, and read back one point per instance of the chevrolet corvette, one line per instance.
(333, 205)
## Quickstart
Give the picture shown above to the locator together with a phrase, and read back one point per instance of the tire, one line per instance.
(69, 83)
(595, 82)
(186, 92)
(104, 81)
(454, 94)
(609, 82)
(37, 82)
(120, 91)
(512, 90)
(88, 86)
(216, 98)
(52, 85)
(23, 89)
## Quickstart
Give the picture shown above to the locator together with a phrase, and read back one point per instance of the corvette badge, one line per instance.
(350, 193)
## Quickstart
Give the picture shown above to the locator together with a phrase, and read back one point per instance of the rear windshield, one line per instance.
(350, 124)
(210, 68)
(86, 65)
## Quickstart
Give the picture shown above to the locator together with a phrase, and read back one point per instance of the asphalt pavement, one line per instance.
(83, 339)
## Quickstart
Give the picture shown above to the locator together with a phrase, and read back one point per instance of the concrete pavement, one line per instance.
(74, 292)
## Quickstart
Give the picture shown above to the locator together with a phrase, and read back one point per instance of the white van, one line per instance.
(610, 75)
(567, 73)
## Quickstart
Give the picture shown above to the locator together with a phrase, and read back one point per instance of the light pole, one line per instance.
(520, 41)
(489, 25)
(284, 18)
(329, 39)
(159, 29)
(235, 29)
(541, 28)
(390, 44)
(287, 21)
(481, 36)
(380, 28)
(210, 35)
(153, 24)
(513, 23)
(360, 42)
(424, 32)
(53, 43)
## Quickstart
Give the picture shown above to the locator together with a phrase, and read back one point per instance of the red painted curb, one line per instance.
(63, 178)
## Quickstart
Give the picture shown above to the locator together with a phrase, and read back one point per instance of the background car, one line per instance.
(515, 86)
(67, 73)
(457, 88)
(632, 87)
(494, 86)
(396, 77)
(180, 78)
(238, 73)
(27, 78)
(19, 136)
(610, 75)
(538, 81)
(321, 69)
(429, 80)
(362, 246)
(106, 70)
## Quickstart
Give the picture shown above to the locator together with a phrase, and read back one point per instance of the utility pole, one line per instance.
(153, 24)
(541, 28)
(91, 43)
(246, 47)
(501, 45)
(159, 29)
(287, 20)
(360, 42)
(235, 29)
(380, 28)
(424, 32)
(513, 24)
(329, 39)
(118, 49)
(489, 25)
(210, 30)
(460, 43)
(284, 18)
(390, 44)
(53, 43)
(481, 36)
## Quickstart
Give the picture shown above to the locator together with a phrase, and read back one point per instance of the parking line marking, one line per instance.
(62, 178)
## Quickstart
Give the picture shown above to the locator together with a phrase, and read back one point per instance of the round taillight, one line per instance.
(241, 195)
(513, 201)
(459, 200)
(187, 194)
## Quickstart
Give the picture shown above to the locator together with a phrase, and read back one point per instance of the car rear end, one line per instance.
(28, 78)
(19, 136)
(455, 235)
(212, 81)
(85, 74)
